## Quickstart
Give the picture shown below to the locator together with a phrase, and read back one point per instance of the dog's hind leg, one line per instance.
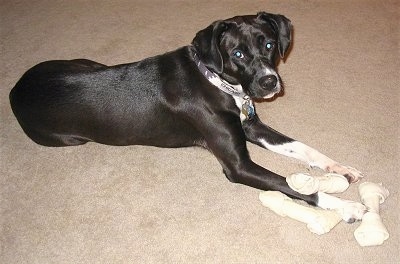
(54, 140)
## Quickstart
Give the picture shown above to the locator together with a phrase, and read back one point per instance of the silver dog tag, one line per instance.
(248, 108)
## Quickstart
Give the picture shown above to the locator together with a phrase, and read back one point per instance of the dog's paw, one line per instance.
(351, 211)
(352, 175)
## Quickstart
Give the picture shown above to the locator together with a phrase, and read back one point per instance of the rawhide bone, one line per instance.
(372, 231)
(318, 221)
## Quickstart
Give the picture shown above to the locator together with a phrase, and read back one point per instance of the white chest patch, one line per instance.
(239, 103)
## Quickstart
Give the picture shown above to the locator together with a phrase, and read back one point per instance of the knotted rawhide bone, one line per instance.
(306, 184)
(372, 231)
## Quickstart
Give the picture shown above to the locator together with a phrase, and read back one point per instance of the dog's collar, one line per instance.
(247, 107)
(217, 81)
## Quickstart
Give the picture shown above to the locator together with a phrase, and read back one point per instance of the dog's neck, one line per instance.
(242, 100)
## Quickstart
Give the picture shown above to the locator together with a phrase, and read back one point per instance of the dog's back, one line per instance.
(63, 103)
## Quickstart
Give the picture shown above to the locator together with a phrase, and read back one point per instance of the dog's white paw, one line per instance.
(351, 211)
(352, 175)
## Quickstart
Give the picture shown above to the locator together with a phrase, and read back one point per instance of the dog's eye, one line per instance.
(269, 46)
(238, 54)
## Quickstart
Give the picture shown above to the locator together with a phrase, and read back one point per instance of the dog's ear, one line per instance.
(282, 26)
(206, 43)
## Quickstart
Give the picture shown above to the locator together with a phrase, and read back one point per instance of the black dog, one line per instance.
(196, 95)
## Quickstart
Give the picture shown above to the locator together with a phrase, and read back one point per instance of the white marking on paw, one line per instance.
(300, 151)
(350, 211)
(352, 174)
(313, 158)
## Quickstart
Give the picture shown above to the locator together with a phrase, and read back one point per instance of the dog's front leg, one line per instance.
(266, 137)
(227, 141)
(228, 144)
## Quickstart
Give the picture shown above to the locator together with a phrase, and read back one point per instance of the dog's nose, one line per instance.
(268, 82)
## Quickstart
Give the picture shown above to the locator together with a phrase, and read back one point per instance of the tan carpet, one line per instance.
(101, 204)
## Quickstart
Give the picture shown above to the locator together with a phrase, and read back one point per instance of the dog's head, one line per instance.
(245, 50)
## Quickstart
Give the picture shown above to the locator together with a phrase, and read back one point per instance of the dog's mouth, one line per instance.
(260, 93)
(271, 95)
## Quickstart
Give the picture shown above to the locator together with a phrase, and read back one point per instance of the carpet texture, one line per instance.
(136, 204)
